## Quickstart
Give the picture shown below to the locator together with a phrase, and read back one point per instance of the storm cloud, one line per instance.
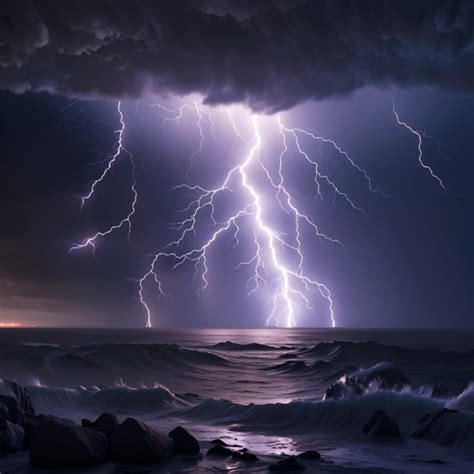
(268, 55)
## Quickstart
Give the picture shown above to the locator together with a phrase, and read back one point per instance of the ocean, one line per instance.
(272, 391)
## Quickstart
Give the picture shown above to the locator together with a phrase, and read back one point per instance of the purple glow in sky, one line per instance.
(273, 256)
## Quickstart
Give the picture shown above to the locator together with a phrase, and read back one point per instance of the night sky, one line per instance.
(331, 67)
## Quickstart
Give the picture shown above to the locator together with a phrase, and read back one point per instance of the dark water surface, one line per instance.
(445, 339)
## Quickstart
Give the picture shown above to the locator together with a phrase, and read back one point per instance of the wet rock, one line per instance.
(59, 445)
(134, 442)
(106, 419)
(313, 455)
(184, 442)
(15, 403)
(34, 420)
(105, 423)
(11, 437)
(244, 456)
(380, 425)
(431, 426)
(219, 450)
(20, 394)
(440, 391)
(12, 410)
(287, 465)
(223, 443)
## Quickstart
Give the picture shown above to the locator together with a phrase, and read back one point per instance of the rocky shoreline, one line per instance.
(52, 442)
(58, 443)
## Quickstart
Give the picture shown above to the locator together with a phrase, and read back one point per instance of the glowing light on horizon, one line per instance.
(10, 324)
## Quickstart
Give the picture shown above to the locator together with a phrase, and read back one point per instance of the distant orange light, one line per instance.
(10, 324)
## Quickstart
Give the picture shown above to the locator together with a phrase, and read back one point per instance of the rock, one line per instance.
(21, 395)
(219, 442)
(59, 445)
(380, 425)
(287, 465)
(13, 410)
(86, 423)
(107, 419)
(430, 426)
(219, 450)
(440, 391)
(11, 437)
(134, 442)
(244, 456)
(15, 403)
(314, 455)
(34, 420)
(184, 442)
(105, 423)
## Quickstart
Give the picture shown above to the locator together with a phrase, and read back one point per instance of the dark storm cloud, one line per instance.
(270, 55)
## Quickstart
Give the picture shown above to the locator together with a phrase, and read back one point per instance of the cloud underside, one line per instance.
(268, 55)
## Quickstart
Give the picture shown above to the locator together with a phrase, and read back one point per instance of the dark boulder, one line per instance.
(287, 465)
(15, 403)
(106, 419)
(21, 396)
(184, 441)
(13, 411)
(11, 437)
(219, 450)
(380, 425)
(219, 442)
(58, 445)
(312, 454)
(105, 423)
(34, 420)
(441, 426)
(134, 442)
(244, 456)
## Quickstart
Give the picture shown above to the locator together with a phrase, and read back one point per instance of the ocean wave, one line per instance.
(119, 399)
(464, 401)
(254, 346)
(446, 422)
(301, 417)
(363, 353)
(143, 356)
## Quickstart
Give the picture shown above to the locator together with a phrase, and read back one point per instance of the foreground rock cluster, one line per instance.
(56, 443)
(60, 443)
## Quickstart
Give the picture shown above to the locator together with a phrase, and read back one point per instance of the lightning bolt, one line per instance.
(127, 220)
(289, 284)
(419, 135)
(277, 261)
(175, 116)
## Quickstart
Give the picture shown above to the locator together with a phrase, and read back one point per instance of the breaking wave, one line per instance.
(345, 417)
(119, 399)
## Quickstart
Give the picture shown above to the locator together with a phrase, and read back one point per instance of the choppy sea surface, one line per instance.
(271, 390)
